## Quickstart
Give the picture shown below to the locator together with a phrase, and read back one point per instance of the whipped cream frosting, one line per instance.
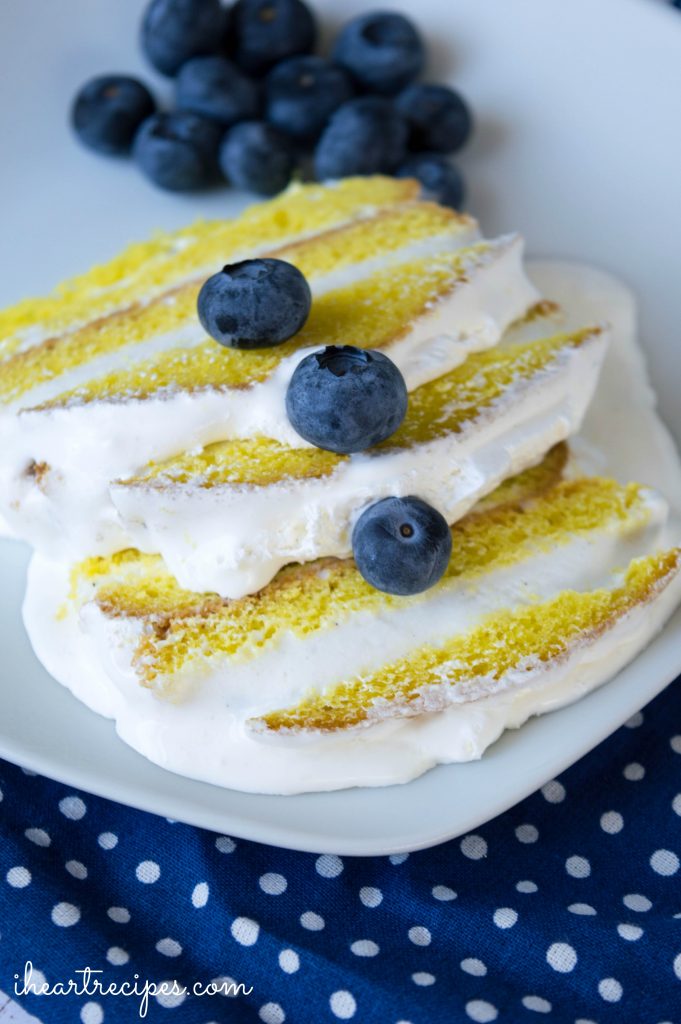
(204, 736)
(69, 514)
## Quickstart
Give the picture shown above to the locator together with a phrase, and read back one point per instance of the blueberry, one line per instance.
(439, 118)
(440, 180)
(267, 31)
(364, 136)
(178, 151)
(401, 545)
(108, 110)
(173, 31)
(216, 88)
(346, 399)
(258, 157)
(303, 93)
(254, 304)
(382, 51)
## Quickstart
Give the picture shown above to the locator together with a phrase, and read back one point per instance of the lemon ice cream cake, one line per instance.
(116, 370)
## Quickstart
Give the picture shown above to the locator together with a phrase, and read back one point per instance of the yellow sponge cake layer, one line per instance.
(151, 267)
(519, 641)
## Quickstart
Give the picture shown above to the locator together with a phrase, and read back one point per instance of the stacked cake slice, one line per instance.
(194, 576)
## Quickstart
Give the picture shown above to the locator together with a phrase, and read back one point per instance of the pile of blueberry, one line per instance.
(341, 398)
(255, 106)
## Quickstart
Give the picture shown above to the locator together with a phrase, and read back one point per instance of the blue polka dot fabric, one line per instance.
(566, 909)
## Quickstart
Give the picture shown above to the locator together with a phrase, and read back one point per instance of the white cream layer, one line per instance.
(234, 540)
(70, 514)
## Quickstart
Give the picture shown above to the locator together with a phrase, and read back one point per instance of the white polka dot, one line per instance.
(200, 895)
(443, 892)
(398, 858)
(38, 980)
(313, 922)
(245, 931)
(677, 966)
(423, 979)
(370, 896)
(634, 772)
(76, 869)
(65, 914)
(481, 1012)
(635, 721)
(612, 822)
(364, 947)
(107, 840)
(119, 914)
(583, 1020)
(664, 862)
(630, 932)
(29, 771)
(634, 901)
(583, 909)
(225, 986)
(289, 961)
(117, 956)
(328, 865)
(578, 867)
(675, 744)
(526, 834)
(272, 883)
(610, 990)
(19, 877)
(561, 957)
(537, 1004)
(169, 947)
(526, 886)
(92, 1013)
(38, 836)
(224, 844)
(419, 935)
(148, 871)
(170, 994)
(72, 807)
(474, 847)
(676, 804)
(554, 792)
(505, 917)
(473, 966)
(343, 1005)
(1, 797)
(272, 1013)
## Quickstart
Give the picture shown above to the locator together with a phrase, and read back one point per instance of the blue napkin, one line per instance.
(566, 908)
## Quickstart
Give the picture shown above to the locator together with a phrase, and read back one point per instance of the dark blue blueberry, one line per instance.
(401, 545)
(364, 136)
(178, 151)
(303, 93)
(382, 51)
(346, 399)
(108, 110)
(439, 119)
(216, 88)
(254, 304)
(257, 157)
(174, 31)
(440, 180)
(263, 32)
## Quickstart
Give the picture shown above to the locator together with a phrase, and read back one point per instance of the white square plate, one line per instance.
(576, 142)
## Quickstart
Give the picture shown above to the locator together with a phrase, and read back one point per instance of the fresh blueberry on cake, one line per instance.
(401, 545)
(257, 157)
(108, 110)
(216, 88)
(174, 31)
(178, 151)
(364, 136)
(346, 399)
(382, 51)
(255, 303)
(303, 93)
(441, 180)
(439, 118)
